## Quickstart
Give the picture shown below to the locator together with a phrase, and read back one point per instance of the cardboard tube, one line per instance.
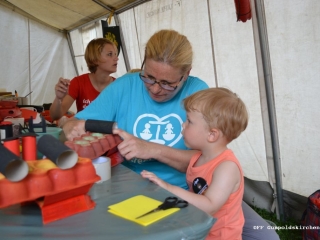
(57, 152)
(29, 147)
(11, 166)
(12, 144)
(100, 126)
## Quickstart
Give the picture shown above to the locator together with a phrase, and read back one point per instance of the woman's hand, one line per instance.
(132, 146)
(74, 128)
(61, 88)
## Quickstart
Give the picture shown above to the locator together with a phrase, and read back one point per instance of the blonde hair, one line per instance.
(170, 47)
(93, 52)
(221, 109)
(134, 70)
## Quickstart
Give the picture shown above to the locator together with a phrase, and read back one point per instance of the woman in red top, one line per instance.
(101, 56)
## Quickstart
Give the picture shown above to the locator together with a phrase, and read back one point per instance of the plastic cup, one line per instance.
(102, 166)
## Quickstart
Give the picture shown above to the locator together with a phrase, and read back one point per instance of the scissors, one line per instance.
(169, 202)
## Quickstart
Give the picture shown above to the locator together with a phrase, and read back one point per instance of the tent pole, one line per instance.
(29, 56)
(123, 9)
(124, 49)
(267, 72)
(72, 53)
(214, 62)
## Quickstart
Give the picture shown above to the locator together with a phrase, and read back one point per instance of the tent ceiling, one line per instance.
(66, 15)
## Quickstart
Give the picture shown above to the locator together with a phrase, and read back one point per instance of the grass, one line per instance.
(284, 234)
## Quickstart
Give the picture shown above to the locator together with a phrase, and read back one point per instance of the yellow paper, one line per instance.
(136, 206)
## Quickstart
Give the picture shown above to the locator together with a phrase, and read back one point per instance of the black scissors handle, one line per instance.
(169, 202)
(173, 202)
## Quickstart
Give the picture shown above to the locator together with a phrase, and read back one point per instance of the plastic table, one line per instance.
(25, 222)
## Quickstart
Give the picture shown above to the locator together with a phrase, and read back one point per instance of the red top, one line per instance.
(82, 91)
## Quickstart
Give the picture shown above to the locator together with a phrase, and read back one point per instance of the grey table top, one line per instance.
(17, 222)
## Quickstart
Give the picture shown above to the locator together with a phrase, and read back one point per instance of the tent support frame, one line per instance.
(72, 53)
(123, 47)
(267, 72)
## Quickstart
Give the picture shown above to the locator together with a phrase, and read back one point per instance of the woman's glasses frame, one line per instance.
(163, 84)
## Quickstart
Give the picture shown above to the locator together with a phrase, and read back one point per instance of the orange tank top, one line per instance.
(230, 219)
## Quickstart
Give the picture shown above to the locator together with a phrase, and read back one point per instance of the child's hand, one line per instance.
(153, 178)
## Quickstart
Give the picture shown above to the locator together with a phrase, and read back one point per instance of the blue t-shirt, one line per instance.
(128, 102)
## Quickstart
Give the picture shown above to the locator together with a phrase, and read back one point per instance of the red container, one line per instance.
(9, 112)
(93, 145)
(8, 103)
(59, 193)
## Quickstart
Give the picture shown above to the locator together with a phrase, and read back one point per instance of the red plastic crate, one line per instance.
(59, 193)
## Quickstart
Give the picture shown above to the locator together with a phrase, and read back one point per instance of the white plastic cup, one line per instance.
(102, 166)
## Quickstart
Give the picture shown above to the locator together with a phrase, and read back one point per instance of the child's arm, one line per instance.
(226, 180)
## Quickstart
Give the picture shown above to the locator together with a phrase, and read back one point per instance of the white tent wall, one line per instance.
(187, 17)
(236, 69)
(294, 41)
(33, 56)
(135, 51)
(14, 52)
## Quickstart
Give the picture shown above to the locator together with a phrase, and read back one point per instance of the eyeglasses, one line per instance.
(163, 84)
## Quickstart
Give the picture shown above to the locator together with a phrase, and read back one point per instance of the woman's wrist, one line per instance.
(59, 100)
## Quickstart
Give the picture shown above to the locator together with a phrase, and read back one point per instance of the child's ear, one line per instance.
(213, 135)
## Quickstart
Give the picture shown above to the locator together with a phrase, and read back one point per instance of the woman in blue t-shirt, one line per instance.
(147, 107)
